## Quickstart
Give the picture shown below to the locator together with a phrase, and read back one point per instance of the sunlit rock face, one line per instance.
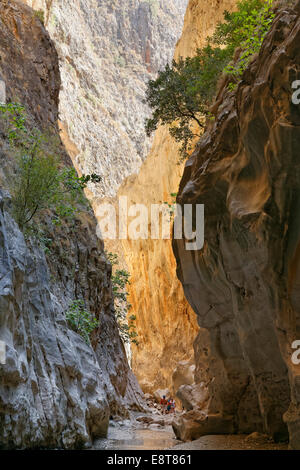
(243, 284)
(166, 324)
(55, 389)
(108, 50)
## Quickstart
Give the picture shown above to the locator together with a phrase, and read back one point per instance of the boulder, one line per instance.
(183, 374)
(193, 396)
(194, 424)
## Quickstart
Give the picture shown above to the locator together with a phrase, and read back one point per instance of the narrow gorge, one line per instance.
(217, 327)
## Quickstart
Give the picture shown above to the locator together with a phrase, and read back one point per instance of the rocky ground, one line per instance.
(152, 430)
(253, 441)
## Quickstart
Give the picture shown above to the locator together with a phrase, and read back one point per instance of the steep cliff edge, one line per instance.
(55, 390)
(165, 322)
(108, 50)
(243, 284)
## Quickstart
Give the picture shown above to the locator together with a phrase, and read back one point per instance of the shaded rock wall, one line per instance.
(243, 283)
(55, 390)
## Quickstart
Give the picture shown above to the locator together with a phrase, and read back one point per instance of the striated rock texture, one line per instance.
(244, 283)
(108, 50)
(55, 390)
(165, 322)
(106, 57)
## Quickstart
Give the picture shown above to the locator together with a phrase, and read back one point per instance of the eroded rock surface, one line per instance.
(166, 324)
(184, 374)
(108, 50)
(55, 390)
(106, 58)
(244, 283)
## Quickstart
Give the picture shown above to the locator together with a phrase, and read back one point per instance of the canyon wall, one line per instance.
(55, 389)
(106, 58)
(244, 283)
(166, 324)
(108, 50)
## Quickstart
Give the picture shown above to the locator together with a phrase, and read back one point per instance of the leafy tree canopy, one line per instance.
(181, 95)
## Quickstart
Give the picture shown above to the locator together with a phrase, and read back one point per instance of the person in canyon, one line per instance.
(171, 406)
(164, 404)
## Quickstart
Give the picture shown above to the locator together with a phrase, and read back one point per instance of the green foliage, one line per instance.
(40, 15)
(120, 282)
(74, 183)
(38, 232)
(245, 29)
(36, 183)
(183, 92)
(172, 205)
(40, 182)
(14, 120)
(80, 320)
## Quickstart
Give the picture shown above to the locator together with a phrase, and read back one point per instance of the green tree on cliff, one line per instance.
(40, 181)
(183, 92)
(120, 281)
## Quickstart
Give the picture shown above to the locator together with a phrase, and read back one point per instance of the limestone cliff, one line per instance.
(165, 323)
(106, 57)
(244, 283)
(55, 390)
(108, 50)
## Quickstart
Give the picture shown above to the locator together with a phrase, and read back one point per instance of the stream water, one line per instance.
(128, 437)
(131, 435)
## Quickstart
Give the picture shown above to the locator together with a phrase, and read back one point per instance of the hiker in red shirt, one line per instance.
(164, 404)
